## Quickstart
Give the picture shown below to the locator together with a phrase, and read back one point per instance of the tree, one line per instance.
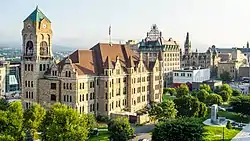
(189, 106)
(214, 99)
(202, 110)
(171, 91)
(182, 90)
(229, 125)
(3, 104)
(236, 93)
(11, 122)
(91, 121)
(226, 87)
(165, 109)
(178, 130)
(241, 104)
(64, 123)
(205, 87)
(33, 117)
(225, 76)
(202, 95)
(120, 129)
(225, 95)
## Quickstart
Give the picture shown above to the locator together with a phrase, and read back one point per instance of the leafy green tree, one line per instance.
(182, 90)
(3, 104)
(120, 129)
(202, 95)
(189, 106)
(178, 130)
(225, 76)
(171, 91)
(6, 138)
(241, 104)
(205, 87)
(226, 87)
(214, 99)
(229, 125)
(11, 122)
(91, 121)
(224, 95)
(165, 109)
(236, 93)
(62, 123)
(202, 110)
(33, 117)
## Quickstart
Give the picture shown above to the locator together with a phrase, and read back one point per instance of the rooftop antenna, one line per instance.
(110, 40)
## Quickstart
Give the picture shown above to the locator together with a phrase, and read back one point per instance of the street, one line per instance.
(143, 132)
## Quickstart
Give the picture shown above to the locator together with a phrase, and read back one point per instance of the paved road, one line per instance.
(142, 132)
(243, 135)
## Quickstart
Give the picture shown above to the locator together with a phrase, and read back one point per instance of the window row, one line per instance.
(29, 84)
(183, 74)
(29, 95)
(67, 98)
(89, 96)
(28, 67)
(43, 67)
(67, 86)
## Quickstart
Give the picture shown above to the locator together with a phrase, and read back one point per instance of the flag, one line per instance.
(109, 30)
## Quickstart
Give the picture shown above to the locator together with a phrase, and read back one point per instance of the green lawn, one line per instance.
(103, 136)
(234, 116)
(215, 133)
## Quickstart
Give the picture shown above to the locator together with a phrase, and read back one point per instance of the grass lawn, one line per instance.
(103, 136)
(215, 133)
(168, 97)
(234, 116)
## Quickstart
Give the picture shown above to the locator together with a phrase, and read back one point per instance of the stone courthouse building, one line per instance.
(105, 79)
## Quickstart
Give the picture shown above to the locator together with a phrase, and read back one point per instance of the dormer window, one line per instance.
(54, 73)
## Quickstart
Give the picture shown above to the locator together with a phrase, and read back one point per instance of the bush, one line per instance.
(101, 118)
(229, 125)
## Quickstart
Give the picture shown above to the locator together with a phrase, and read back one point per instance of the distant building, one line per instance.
(134, 45)
(154, 45)
(232, 67)
(212, 83)
(208, 59)
(106, 79)
(13, 78)
(190, 75)
(244, 71)
(3, 65)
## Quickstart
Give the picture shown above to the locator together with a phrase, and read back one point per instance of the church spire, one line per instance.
(187, 45)
(247, 44)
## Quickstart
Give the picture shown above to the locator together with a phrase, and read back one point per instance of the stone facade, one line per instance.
(106, 79)
(154, 44)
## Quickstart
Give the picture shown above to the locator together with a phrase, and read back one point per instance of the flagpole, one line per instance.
(110, 40)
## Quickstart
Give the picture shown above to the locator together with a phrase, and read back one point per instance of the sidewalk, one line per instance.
(243, 135)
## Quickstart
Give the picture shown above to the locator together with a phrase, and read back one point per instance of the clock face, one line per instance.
(28, 26)
(44, 25)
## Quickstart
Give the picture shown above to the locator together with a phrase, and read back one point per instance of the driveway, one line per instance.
(243, 135)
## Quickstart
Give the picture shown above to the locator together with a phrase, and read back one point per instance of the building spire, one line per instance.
(247, 44)
(36, 7)
(187, 45)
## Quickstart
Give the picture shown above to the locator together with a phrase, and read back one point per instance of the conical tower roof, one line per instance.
(37, 16)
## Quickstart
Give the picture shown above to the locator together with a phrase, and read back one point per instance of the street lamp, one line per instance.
(223, 134)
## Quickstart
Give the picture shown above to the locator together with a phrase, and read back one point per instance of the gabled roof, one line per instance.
(37, 16)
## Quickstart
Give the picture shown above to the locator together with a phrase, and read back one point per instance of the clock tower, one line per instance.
(36, 54)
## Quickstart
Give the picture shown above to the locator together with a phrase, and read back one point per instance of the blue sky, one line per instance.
(83, 23)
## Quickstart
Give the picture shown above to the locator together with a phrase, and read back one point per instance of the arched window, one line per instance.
(44, 48)
(29, 48)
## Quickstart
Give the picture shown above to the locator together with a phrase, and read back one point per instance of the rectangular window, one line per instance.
(53, 97)
(64, 98)
(70, 99)
(70, 86)
(31, 95)
(90, 96)
(106, 95)
(106, 84)
(83, 97)
(32, 84)
(80, 98)
(31, 67)
(106, 107)
(87, 96)
(53, 86)
(64, 86)
(44, 67)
